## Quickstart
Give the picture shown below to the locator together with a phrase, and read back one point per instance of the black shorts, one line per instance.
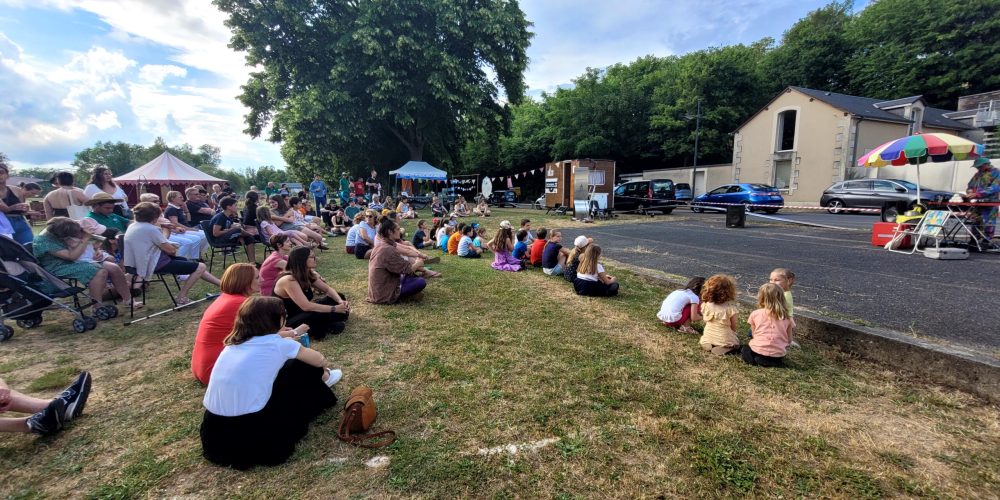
(360, 250)
(178, 265)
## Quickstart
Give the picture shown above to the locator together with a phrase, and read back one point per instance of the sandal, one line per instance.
(182, 301)
(688, 329)
(431, 274)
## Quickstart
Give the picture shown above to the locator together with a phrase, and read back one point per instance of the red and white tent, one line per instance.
(163, 174)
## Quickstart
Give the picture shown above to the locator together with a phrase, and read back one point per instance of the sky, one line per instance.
(74, 72)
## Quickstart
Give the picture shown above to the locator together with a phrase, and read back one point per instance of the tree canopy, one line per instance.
(641, 113)
(347, 84)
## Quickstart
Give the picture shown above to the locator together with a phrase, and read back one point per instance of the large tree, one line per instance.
(344, 80)
(814, 51)
(941, 49)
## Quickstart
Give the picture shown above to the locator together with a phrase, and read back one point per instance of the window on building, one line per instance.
(918, 120)
(783, 174)
(786, 130)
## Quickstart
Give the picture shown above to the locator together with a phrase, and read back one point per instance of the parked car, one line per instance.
(650, 195)
(877, 193)
(503, 198)
(539, 203)
(682, 191)
(747, 194)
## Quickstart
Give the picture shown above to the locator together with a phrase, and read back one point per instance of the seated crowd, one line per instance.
(252, 347)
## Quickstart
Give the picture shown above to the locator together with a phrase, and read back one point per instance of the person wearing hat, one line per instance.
(573, 259)
(318, 189)
(984, 187)
(102, 209)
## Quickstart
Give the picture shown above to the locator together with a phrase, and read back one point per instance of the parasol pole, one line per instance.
(919, 202)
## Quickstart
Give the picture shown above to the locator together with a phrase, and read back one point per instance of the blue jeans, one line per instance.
(320, 203)
(22, 231)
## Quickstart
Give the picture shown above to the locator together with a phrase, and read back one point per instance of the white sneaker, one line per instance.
(183, 277)
(335, 376)
(795, 345)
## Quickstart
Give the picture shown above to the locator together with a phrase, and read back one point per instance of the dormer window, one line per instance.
(918, 120)
(786, 130)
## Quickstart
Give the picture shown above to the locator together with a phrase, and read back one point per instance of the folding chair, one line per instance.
(226, 249)
(931, 226)
(134, 278)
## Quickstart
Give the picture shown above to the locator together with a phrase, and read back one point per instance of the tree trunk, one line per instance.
(412, 140)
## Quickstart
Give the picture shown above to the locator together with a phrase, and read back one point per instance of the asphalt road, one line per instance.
(839, 273)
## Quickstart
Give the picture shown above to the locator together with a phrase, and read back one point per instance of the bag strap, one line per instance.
(344, 433)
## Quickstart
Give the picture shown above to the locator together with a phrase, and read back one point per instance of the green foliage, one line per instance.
(812, 51)
(938, 49)
(349, 84)
(640, 113)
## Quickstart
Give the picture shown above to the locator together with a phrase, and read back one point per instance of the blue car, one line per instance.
(746, 194)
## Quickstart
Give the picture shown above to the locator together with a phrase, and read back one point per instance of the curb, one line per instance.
(954, 367)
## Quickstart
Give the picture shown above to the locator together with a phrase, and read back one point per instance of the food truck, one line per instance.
(582, 186)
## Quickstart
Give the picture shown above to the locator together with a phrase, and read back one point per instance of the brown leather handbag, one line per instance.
(359, 415)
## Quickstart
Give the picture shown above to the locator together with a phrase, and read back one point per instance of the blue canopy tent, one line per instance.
(419, 170)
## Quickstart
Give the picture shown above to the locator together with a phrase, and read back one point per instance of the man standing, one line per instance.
(270, 190)
(345, 188)
(225, 231)
(318, 189)
(372, 184)
(985, 187)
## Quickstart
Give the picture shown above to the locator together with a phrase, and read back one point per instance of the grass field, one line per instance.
(509, 385)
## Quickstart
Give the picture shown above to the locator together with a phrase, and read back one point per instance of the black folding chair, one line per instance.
(227, 249)
(144, 283)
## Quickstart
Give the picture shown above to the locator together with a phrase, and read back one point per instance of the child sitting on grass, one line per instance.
(772, 328)
(681, 307)
(785, 279)
(538, 247)
(721, 315)
(554, 255)
(591, 280)
(456, 238)
(529, 236)
(480, 237)
(465, 247)
(520, 251)
(420, 239)
(445, 237)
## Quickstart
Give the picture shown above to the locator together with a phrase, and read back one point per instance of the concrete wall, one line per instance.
(715, 175)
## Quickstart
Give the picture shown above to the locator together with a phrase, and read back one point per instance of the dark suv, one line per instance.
(876, 193)
(642, 196)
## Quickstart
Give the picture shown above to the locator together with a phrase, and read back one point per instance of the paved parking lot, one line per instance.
(839, 273)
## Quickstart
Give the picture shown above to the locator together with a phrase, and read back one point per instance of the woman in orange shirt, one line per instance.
(240, 281)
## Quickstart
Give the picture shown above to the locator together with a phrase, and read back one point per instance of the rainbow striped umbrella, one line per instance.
(921, 148)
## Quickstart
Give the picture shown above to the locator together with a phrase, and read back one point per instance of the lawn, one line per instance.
(509, 385)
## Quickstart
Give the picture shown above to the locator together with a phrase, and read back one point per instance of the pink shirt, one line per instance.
(269, 272)
(771, 336)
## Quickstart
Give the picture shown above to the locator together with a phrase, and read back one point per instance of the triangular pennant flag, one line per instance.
(515, 176)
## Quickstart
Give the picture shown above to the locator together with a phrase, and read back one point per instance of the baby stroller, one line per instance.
(27, 289)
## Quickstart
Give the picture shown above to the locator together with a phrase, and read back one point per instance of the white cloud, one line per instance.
(104, 121)
(156, 73)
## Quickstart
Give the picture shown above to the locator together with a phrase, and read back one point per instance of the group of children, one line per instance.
(713, 301)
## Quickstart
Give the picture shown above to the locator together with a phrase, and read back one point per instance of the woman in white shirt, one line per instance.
(102, 181)
(591, 280)
(264, 390)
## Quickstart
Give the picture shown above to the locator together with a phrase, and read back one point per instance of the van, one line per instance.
(654, 195)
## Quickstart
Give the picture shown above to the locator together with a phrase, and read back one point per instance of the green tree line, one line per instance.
(123, 157)
(641, 113)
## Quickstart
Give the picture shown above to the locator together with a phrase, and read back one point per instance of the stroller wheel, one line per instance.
(90, 323)
(28, 323)
(79, 326)
(102, 313)
(6, 333)
(113, 310)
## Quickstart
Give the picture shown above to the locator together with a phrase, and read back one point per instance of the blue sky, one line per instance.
(74, 72)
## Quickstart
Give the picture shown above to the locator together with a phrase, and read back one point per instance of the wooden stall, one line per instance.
(560, 180)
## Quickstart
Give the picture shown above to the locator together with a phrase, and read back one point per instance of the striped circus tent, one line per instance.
(163, 174)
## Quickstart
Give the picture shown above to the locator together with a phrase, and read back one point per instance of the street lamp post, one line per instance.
(697, 130)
